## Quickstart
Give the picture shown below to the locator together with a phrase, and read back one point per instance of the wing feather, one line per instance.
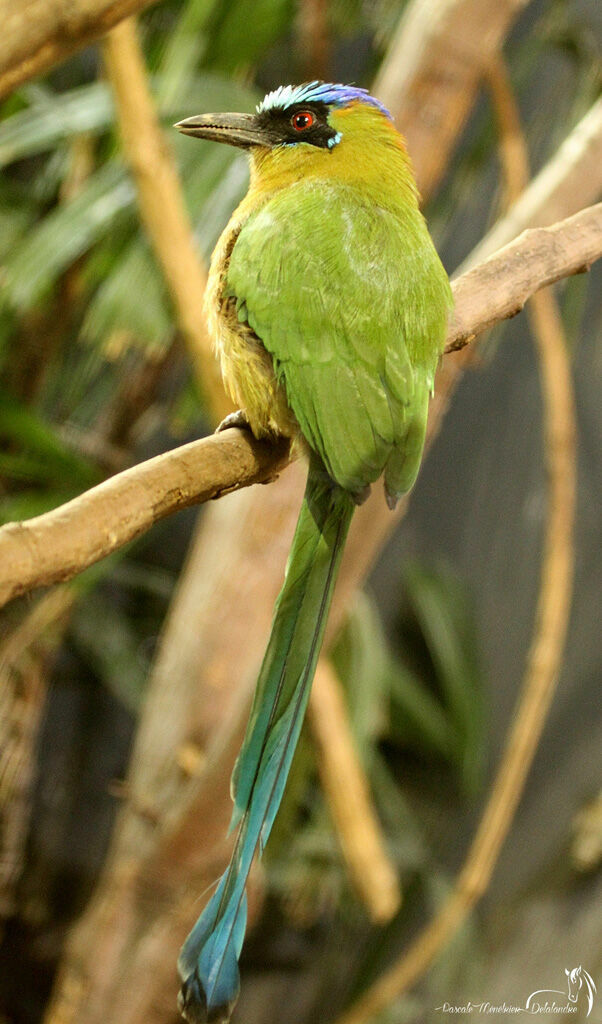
(328, 281)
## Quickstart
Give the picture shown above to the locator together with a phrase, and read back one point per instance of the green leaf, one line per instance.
(380, 684)
(26, 468)
(213, 190)
(65, 234)
(54, 118)
(117, 304)
(40, 446)
(439, 603)
(214, 186)
(404, 833)
(417, 719)
(233, 45)
(89, 108)
(15, 508)
(183, 50)
(15, 220)
(107, 639)
(361, 659)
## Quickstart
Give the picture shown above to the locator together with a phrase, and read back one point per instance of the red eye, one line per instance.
(303, 120)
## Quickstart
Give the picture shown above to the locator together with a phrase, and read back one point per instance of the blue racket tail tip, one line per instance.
(192, 1004)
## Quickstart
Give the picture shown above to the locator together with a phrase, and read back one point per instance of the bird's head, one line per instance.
(317, 129)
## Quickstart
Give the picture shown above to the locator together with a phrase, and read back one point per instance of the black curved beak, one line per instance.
(236, 129)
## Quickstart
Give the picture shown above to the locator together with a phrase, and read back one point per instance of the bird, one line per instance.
(328, 307)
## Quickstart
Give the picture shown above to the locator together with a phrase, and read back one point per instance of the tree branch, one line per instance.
(24, 656)
(61, 543)
(498, 288)
(37, 34)
(570, 180)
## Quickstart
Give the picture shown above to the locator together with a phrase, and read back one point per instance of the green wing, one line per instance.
(352, 303)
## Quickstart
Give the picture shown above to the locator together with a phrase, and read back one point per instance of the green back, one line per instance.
(351, 300)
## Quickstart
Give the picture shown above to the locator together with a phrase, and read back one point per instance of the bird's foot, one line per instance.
(234, 419)
(239, 420)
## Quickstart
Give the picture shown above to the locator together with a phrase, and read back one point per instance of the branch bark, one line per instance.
(569, 181)
(37, 34)
(569, 247)
(24, 657)
(57, 545)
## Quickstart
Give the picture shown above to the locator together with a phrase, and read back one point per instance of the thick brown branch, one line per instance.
(23, 682)
(61, 543)
(498, 288)
(37, 34)
(571, 180)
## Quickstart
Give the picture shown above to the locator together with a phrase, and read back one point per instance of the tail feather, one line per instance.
(208, 962)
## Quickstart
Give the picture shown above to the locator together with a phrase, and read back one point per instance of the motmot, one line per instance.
(328, 307)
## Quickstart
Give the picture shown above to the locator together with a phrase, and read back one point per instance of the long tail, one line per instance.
(208, 962)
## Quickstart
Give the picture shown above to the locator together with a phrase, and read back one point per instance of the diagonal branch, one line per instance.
(61, 543)
(498, 288)
(570, 180)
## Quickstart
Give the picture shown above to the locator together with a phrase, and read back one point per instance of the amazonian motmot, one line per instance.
(328, 306)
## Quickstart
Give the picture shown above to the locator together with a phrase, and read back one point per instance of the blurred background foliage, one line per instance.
(93, 377)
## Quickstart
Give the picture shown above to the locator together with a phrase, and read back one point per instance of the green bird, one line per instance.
(328, 306)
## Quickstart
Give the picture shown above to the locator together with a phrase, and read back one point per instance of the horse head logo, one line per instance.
(578, 980)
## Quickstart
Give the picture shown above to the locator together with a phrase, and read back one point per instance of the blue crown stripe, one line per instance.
(319, 92)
